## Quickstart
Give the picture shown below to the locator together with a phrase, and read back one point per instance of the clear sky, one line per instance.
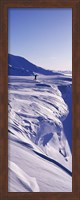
(42, 36)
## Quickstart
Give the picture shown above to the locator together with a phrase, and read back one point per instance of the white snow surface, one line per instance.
(38, 150)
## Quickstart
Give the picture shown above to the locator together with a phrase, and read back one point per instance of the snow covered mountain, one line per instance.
(40, 133)
(19, 66)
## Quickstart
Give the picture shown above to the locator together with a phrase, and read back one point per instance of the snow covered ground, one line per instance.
(40, 133)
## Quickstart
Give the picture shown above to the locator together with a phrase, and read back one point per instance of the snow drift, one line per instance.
(39, 131)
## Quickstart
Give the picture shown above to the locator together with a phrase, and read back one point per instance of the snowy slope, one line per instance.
(19, 66)
(40, 157)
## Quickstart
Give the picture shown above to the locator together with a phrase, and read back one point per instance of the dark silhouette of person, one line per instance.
(35, 76)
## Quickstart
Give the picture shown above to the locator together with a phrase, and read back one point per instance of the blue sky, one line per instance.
(42, 36)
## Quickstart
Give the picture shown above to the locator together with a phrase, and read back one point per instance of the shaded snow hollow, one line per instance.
(40, 158)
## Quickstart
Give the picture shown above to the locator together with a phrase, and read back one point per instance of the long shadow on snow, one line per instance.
(26, 145)
(53, 161)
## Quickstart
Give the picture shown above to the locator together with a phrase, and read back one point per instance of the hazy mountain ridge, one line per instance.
(19, 66)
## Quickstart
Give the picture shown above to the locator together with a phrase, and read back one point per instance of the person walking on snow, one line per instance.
(35, 76)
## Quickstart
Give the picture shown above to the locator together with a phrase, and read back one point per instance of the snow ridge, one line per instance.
(30, 182)
(37, 111)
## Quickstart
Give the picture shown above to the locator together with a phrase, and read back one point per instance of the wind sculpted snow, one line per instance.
(39, 143)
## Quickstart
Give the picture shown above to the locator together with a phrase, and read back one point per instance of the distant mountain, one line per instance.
(19, 66)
